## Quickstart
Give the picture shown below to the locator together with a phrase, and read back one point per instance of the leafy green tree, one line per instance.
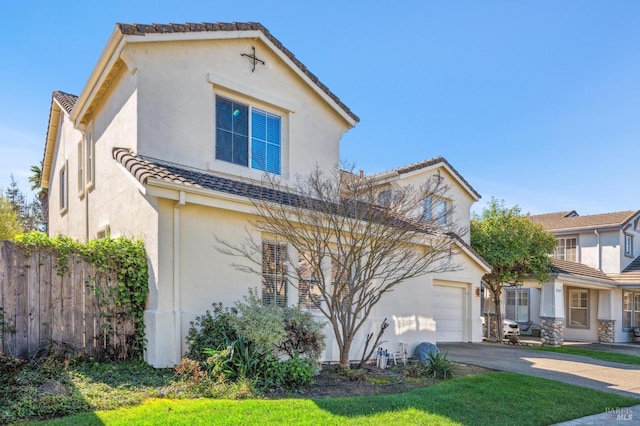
(10, 224)
(513, 245)
(42, 193)
(29, 212)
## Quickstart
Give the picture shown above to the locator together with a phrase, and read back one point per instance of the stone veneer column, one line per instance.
(552, 332)
(606, 331)
(490, 318)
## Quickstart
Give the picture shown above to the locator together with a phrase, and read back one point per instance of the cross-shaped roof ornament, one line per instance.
(253, 57)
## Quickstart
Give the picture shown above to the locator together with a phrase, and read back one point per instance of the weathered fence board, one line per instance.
(42, 303)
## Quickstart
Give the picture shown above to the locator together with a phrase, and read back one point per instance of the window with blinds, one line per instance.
(248, 136)
(274, 274)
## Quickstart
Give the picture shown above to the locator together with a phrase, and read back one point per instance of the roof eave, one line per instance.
(110, 54)
(52, 134)
(391, 175)
(590, 228)
(587, 281)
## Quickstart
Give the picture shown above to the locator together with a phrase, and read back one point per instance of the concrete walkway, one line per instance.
(576, 370)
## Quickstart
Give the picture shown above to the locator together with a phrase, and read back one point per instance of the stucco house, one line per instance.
(594, 291)
(169, 141)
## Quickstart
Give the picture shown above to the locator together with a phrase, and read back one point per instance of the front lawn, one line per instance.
(493, 398)
(594, 354)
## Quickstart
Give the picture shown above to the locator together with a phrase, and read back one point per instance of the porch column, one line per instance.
(552, 314)
(606, 323)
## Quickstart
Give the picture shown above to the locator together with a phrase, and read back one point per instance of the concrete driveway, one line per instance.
(576, 370)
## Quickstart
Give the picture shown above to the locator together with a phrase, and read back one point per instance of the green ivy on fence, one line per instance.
(121, 256)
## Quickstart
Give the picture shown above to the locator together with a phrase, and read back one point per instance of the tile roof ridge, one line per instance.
(563, 214)
(631, 212)
(413, 166)
(424, 164)
(66, 100)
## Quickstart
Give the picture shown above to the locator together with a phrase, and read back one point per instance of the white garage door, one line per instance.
(449, 313)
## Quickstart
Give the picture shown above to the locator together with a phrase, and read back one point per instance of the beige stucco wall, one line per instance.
(457, 195)
(161, 104)
(601, 252)
(206, 276)
(177, 83)
(64, 222)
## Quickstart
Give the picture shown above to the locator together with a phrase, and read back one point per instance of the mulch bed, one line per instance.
(331, 382)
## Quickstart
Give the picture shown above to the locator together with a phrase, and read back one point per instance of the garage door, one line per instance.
(449, 313)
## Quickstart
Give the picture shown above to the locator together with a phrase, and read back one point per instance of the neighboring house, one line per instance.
(594, 291)
(169, 141)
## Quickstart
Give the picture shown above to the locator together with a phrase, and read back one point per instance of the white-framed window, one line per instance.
(81, 160)
(384, 198)
(309, 295)
(274, 273)
(567, 249)
(64, 189)
(630, 310)
(90, 161)
(248, 136)
(435, 209)
(517, 304)
(578, 308)
(628, 245)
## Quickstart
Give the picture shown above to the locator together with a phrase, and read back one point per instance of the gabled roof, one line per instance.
(111, 60)
(426, 164)
(143, 169)
(566, 221)
(143, 29)
(59, 101)
(577, 269)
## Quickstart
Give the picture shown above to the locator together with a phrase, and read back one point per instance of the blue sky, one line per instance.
(536, 103)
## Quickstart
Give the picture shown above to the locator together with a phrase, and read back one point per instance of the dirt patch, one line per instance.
(331, 382)
(54, 387)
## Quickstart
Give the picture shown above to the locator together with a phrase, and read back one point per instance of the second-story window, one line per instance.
(628, 245)
(248, 136)
(567, 249)
(434, 209)
(64, 189)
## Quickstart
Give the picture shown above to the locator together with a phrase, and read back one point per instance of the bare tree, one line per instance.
(356, 240)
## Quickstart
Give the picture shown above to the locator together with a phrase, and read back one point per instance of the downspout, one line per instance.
(595, 231)
(177, 316)
(86, 215)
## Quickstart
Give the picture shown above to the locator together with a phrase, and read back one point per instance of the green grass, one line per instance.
(494, 398)
(591, 353)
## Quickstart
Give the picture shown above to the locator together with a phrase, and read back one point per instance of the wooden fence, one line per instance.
(41, 307)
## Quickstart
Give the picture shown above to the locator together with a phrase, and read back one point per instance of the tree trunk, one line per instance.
(344, 354)
(499, 324)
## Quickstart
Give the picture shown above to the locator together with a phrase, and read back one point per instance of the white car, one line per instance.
(509, 328)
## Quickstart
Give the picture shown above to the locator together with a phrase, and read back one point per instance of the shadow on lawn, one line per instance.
(48, 387)
(492, 398)
(434, 400)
